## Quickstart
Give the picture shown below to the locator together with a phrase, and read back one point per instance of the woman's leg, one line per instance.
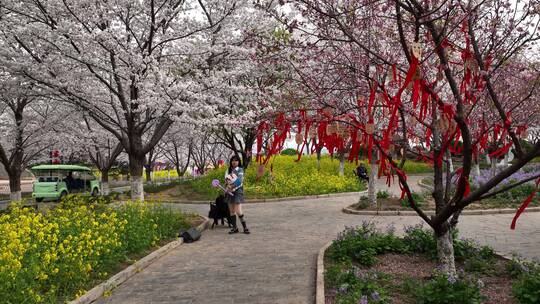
(241, 217)
(232, 208)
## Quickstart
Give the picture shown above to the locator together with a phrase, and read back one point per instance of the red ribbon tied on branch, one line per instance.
(524, 205)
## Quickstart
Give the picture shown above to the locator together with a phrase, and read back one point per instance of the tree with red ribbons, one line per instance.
(438, 73)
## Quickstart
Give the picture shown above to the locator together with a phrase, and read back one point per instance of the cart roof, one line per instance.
(60, 167)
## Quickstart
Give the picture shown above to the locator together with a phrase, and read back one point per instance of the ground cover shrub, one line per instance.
(445, 290)
(355, 286)
(419, 199)
(526, 288)
(363, 243)
(357, 248)
(515, 195)
(54, 256)
(289, 178)
(383, 194)
(155, 188)
(289, 151)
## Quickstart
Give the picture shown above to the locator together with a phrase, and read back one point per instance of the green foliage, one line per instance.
(527, 287)
(383, 194)
(424, 241)
(351, 284)
(363, 243)
(289, 151)
(155, 188)
(289, 178)
(363, 202)
(418, 198)
(444, 290)
(515, 267)
(421, 240)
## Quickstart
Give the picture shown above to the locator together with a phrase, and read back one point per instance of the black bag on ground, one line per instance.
(191, 235)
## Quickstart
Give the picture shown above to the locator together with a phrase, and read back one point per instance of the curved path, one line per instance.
(276, 263)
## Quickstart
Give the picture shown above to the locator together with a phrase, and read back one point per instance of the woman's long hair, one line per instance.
(235, 157)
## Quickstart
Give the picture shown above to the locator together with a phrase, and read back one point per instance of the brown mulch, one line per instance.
(497, 285)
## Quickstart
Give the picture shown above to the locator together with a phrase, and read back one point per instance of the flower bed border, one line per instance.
(278, 199)
(319, 284)
(119, 278)
(349, 210)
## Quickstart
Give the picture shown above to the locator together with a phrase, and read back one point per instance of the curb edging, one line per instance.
(319, 284)
(119, 278)
(349, 210)
(281, 199)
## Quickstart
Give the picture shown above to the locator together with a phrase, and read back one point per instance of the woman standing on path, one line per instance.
(234, 178)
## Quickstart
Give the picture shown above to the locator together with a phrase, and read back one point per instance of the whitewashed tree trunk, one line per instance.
(136, 163)
(15, 181)
(137, 189)
(342, 165)
(15, 196)
(450, 162)
(318, 159)
(476, 169)
(105, 188)
(445, 252)
(372, 191)
(505, 160)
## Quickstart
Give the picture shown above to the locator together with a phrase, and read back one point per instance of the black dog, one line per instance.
(219, 210)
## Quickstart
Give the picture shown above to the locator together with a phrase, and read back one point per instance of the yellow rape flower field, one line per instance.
(55, 256)
(289, 178)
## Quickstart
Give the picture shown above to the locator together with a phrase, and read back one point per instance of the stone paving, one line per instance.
(276, 263)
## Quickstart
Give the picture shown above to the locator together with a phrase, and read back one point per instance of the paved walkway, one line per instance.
(276, 263)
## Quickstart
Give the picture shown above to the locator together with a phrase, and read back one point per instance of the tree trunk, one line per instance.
(105, 189)
(135, 171)
(15, 185)
(178, 170)
(505, 160)
(148, 174)
(476, 169)
(318, 159)
(450, 162)
(372, 191)
(445, 253)
(342, 164)
(246, 160)
(493, 166)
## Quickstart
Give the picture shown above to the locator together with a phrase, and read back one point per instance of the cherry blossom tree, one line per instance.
(85, 138)
(404, 70)
(177, 146)
(135, 67)
(27, 124)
